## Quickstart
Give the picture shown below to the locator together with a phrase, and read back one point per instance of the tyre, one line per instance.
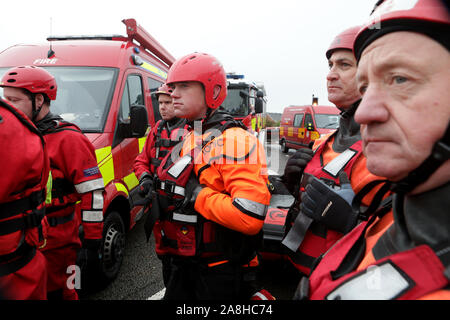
(96, 276)
(113, 246)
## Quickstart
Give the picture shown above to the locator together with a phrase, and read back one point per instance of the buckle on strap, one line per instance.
(171, 188)
(168, 186)
(33, 220)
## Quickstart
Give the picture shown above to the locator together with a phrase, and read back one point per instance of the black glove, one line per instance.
(145, 185)
(192, 190)
(295, 166)
(331, 207)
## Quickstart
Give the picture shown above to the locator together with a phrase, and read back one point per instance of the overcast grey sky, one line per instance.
(280, 43)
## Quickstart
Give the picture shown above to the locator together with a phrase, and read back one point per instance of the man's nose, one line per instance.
(332, 74)
(372, 107)
(175, 93)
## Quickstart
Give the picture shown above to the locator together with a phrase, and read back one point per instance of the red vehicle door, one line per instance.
(309, 129)
(298, 131)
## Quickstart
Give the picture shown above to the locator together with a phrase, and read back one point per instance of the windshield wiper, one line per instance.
(331, 123)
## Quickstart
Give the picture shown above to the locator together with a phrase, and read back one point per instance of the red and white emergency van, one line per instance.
(105, 86)
(301, 125)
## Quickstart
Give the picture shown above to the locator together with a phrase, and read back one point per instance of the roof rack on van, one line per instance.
(88, 37)
(136, 32)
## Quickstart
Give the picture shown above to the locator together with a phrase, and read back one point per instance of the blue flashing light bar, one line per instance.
(235, 76)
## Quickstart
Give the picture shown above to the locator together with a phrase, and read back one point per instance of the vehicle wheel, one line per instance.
(113, 246)
(284, 148)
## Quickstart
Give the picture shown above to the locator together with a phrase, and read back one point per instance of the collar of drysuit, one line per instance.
(418, 219)
(348, 132)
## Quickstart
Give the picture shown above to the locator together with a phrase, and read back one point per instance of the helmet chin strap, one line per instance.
(208, 112)
(439, 155)
(35, 112)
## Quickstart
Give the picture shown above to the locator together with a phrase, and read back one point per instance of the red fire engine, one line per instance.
(104, 87)
(246, 101)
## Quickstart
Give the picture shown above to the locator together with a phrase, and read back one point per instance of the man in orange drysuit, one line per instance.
(75, 175)
(212, 193)
(23, 228)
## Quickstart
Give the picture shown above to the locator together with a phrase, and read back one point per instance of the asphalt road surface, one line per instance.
(140, 277)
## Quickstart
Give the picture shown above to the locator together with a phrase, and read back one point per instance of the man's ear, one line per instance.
(39, 100)
(216, 91)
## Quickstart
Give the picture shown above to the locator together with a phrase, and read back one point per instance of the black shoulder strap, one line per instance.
(160, 128)
(61, 126)
(376, 201)
(231, 123)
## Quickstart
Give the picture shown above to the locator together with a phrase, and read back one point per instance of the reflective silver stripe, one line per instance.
(97, 199)
(382, 282)
(260, 296)
(281, 201)
(335, 165)
(190, 218)
(92, 216)
(179, 166)
(90, 185)
(178, 190)
(253, 207)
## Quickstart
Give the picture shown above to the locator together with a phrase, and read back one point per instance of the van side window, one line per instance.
(298, 118)
(309, 119)
(132, 94)
(154, 85)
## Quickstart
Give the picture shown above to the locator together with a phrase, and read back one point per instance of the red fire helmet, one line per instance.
(203, 68)
(343, 40)
(164, 89)
(31, 78)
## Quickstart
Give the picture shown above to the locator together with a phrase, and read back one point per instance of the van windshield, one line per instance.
(84, 95)
(236, 103)
(327, 121)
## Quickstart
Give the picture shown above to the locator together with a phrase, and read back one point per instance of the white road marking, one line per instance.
(158, 296)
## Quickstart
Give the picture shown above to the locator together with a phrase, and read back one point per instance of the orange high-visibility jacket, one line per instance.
(233, 168)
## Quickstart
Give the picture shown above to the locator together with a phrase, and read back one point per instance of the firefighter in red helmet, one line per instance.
(75, 175)
(212, 191)
(333, 171)
(166, 133)
(23, 192)
(403, 74)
